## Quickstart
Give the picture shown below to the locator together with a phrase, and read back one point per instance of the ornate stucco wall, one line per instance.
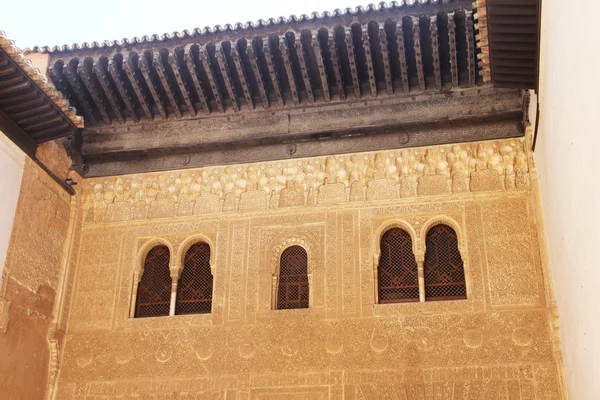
(31, 276)
(500, 343)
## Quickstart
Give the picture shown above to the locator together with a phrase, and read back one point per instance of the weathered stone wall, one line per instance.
(30, 281)
(500, 343)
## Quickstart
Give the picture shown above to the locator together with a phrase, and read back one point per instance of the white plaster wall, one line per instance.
(568, 162)
(12, 160)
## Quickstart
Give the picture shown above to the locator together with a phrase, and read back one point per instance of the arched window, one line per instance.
(154, 289)
(194, 290)
(443, 269)
(398, 277)
(293, 279)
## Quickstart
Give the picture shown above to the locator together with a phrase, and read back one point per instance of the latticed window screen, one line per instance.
(444, 270)
(398, 278)
(154, 289)
(293, 279)
(194, 290)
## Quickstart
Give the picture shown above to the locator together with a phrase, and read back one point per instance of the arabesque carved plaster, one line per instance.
(499, 343)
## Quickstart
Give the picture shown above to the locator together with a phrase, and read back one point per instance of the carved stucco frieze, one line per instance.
(433, 171)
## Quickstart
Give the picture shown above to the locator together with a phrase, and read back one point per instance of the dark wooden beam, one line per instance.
(102, 76)
(323, 76)
(146, 69)
(130, 66)
(402, 57)
(304, 70)
(385, 58)
(85, 73)
(285, 54)
(470, 46)
(241, 71)
(181, 84)
(122, 89)
(161, 71)
(77, 89)
(437, 71)
(24, 85)
(17, 135)
(453, 55)
(376, 139)
(212, 81)
(265, 125)
(251, 53)
(335, 62)
(369, 59)
(418, 52)
(227, 78)
(352, 61)
(193, 70)
(272, 72)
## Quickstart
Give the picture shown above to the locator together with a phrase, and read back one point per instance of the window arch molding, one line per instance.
(143, 252)
(396, 223)
(282, 246)
(185, 246)
(138, 270)
(443, 220)
(275, 267)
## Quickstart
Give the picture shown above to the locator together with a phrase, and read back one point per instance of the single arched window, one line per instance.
(398, 277)
(443, 269)
(292, 291)
(154, 290)
(195, 287)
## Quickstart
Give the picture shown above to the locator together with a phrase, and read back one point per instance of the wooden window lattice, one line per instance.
(194, 290)
(443, 269)
(154, 289)
(292, 291)
(398, 278)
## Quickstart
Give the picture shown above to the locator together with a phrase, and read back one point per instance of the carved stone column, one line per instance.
(420, 258)
(174, 281)
(136, 283)
(376, 279)
(274, 284)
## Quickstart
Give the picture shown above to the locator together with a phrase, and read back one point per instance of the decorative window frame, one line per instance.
(419, 240)
(180, 264)
(462, 247)
(395, 223)
(138, 270)
(275, 266)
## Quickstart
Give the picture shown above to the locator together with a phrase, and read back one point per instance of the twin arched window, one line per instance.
(292, 288)
(194, 288)
(443, 269)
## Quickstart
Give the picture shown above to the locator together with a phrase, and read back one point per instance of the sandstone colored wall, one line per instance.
(566, 156)
(31, 277)
(498, 344)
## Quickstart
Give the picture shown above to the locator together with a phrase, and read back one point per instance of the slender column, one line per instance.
(174, 281)
(136, 284)
(376, 278)
(274, 284)
(420, 262)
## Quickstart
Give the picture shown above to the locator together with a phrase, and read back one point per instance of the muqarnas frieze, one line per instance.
(429, 171)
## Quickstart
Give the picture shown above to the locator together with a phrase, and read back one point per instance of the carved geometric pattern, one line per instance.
(154, 290)
(443, 269)
(293, 279)
(195, 287)
(398, 277)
